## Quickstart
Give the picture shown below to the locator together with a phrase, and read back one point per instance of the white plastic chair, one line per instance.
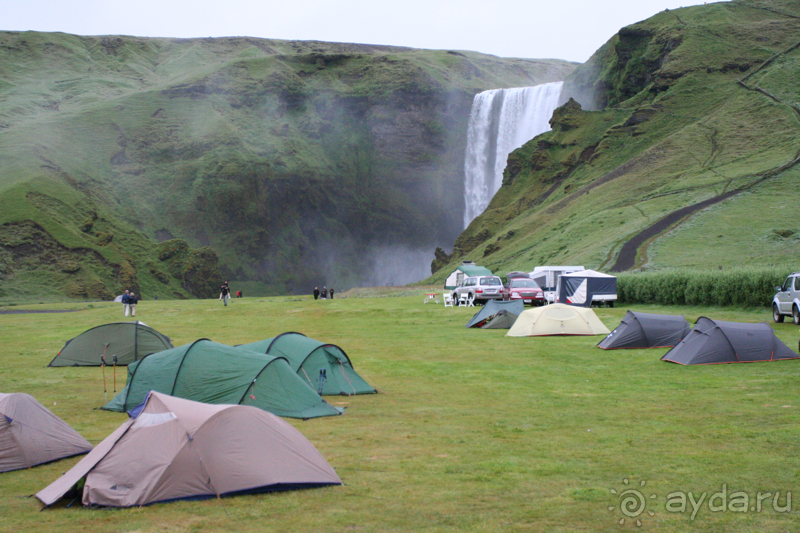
(447, 298)
(462, 299)
(471, 302)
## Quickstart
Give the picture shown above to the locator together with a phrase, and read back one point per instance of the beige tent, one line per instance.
(31, 435)
(172, 448)
(557, 319)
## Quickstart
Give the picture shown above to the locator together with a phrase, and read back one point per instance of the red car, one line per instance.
(525, 289)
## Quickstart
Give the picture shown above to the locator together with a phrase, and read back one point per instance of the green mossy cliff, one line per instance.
(299, 163)
(677, 146)
(64, 244)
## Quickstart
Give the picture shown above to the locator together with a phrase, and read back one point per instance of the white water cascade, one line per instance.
(501, 121)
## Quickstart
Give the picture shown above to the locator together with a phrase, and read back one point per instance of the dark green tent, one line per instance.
(119, 343)
(308, 356)
(214, 373)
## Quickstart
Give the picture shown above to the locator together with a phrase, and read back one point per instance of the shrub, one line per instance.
(741, 287)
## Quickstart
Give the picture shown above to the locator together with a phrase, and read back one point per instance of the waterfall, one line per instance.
(501, 121)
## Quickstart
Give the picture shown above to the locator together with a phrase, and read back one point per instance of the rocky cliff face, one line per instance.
(300, 163)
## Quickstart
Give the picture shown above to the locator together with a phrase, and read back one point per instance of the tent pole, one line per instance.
(103, 367)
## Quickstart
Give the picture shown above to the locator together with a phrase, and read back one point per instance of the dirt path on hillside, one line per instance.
(627, 255)
(21, 312)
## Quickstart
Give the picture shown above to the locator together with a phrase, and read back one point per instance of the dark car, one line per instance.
(525, 289)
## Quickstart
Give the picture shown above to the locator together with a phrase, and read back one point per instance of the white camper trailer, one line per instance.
(547, 278)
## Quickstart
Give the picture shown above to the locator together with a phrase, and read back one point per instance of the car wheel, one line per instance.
(796, 316)
(776, 314)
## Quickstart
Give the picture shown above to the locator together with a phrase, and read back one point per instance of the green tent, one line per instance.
(308, 356)
(119, 343)
(466, 269)
(210, 372)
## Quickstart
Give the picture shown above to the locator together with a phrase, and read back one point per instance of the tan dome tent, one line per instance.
(310, 359)
(646, 330)
(31, 435)
(119, 343)
(172, 449)
(211, 372)
(557, 319)
(716, 342)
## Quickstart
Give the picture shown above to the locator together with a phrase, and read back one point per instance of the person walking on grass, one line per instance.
(126, 303)
(331, 291)
(316, 293)
(132, 303)
(324, 293)
(224, 293)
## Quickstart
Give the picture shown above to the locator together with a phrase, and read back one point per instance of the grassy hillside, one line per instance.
(299, 163)
(677, 146)
(471, 431)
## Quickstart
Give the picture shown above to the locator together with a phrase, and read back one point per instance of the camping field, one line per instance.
(471, 431)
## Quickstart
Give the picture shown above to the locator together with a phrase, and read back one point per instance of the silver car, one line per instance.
(787, 301)
(479, 289)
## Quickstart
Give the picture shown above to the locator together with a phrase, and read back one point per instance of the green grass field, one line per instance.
(472, 431)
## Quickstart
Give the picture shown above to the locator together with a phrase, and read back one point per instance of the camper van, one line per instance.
(547, 278)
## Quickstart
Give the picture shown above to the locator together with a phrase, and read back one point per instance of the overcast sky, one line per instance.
(565, 29)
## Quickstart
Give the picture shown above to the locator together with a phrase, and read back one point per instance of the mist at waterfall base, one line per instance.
(378, 265)
(501, 121)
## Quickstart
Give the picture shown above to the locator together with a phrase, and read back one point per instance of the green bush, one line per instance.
(741, 287)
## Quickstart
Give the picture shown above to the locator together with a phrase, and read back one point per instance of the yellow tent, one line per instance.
(557, 319)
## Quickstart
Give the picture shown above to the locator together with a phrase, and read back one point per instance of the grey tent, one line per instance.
(646, 330)
(311, 358)
(716, 341)
(497, 314)
(31, 435)
(172, 449)
(119, 343)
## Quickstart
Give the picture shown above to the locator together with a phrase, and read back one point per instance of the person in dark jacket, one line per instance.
(126, 303)
(324, 293)
(132, 303)
(331, 293)
(316, 293)
(224, 293)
